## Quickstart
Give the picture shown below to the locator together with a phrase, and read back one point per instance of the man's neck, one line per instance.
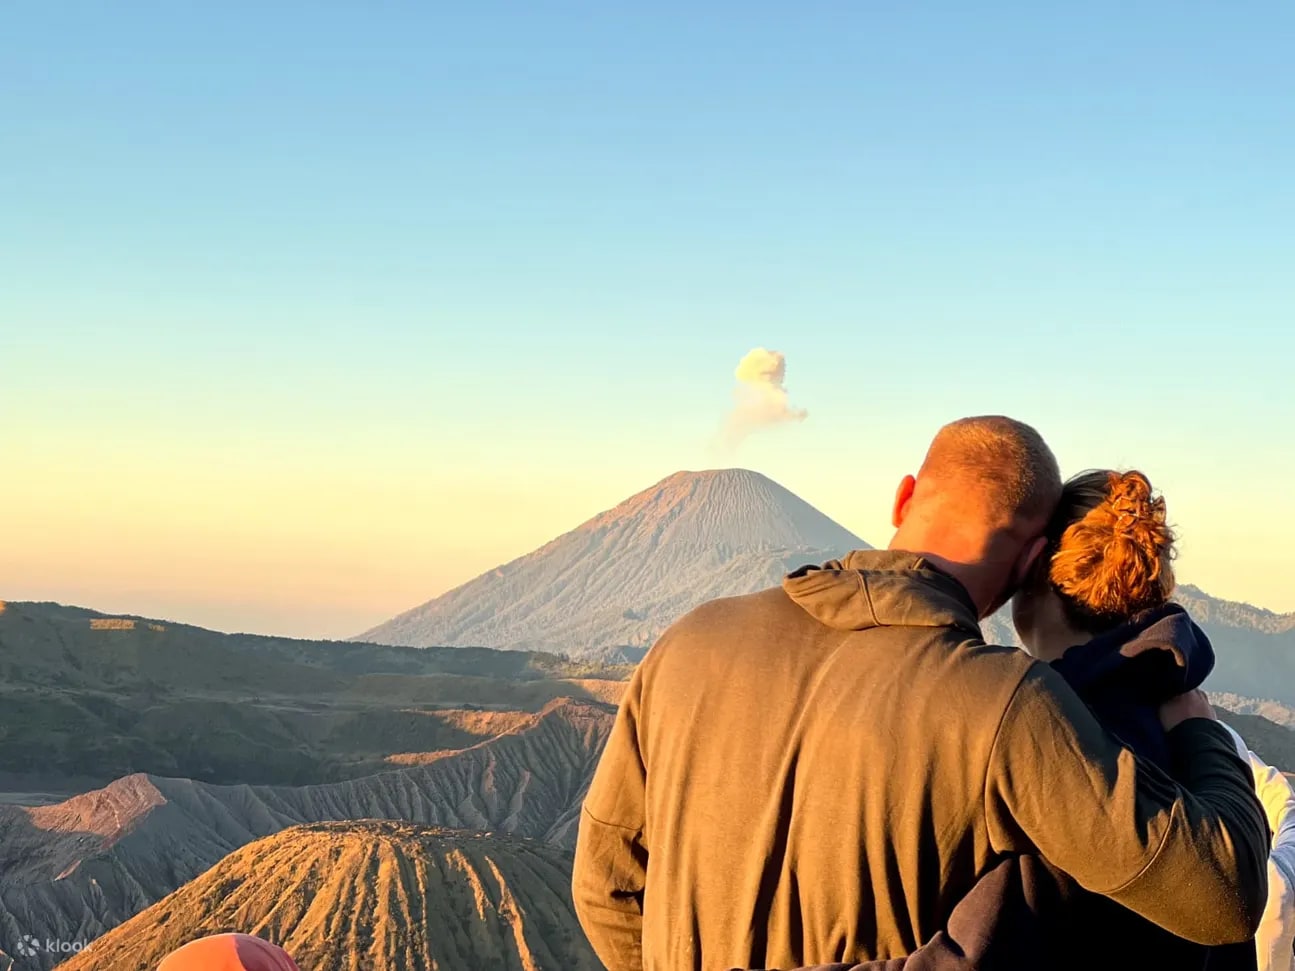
(968, 576)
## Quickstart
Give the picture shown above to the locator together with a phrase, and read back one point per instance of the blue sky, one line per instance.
(314, 311)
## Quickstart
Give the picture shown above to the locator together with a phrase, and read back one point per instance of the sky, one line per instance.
(311, 312)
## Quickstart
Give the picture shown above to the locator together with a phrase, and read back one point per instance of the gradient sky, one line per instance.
(309, 312)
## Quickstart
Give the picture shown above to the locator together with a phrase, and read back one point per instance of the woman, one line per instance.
(1099, 610)
(1097, 607)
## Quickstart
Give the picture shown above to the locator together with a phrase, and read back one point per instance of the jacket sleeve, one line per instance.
(1191, 857)
(610, 869)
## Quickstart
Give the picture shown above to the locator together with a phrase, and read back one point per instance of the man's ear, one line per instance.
(902, 497)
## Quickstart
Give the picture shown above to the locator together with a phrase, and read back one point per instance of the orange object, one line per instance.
(229, 952)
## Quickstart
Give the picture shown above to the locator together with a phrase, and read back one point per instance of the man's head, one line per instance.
(979, 505)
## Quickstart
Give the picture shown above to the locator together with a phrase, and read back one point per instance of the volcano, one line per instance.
(621, 578)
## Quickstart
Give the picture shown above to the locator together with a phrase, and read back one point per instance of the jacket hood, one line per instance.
(1157, 654)
(881, 588)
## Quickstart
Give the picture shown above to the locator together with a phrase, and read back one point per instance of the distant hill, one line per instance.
(1271, 742)
(373, 896)
(1273, 711)
(79, 868)
(622, 577)
(1234, 615)
(1255, 648)
(51, 645)
(86, 698)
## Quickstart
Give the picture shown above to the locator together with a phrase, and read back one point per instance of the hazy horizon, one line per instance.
(310, 315)
(223, 617)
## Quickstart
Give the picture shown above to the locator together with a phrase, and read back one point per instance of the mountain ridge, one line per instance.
(1205, 607)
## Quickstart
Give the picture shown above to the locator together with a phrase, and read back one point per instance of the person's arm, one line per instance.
(1191, 857)
(1276, 936)
(610, 868)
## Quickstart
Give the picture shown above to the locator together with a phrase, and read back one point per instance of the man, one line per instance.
(818, 772)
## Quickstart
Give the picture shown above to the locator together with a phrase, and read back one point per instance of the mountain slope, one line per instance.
(364, 896)
(76, 869)
(622, 577)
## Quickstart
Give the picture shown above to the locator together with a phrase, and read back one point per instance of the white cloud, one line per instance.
(760, 399)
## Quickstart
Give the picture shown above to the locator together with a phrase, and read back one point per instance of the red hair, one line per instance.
(1112, 548)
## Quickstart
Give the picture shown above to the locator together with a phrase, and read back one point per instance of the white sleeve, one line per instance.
(1276, 936)
(1277, 939)
(1242, 749)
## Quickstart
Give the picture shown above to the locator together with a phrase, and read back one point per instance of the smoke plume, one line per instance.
(759, 400)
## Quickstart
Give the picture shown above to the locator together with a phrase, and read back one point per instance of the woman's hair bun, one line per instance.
(1114, 554)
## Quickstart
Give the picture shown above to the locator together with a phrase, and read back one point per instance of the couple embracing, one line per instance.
(840, 772)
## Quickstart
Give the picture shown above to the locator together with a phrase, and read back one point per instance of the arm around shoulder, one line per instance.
(1060, 785)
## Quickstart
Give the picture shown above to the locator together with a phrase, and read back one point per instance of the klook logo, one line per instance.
(29, 946)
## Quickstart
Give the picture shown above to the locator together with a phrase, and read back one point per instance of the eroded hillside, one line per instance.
(373, 896)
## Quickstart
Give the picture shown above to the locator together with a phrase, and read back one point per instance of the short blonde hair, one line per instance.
(1003, 462)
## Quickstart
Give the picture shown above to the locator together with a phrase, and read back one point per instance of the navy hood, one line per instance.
(1125, 674)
